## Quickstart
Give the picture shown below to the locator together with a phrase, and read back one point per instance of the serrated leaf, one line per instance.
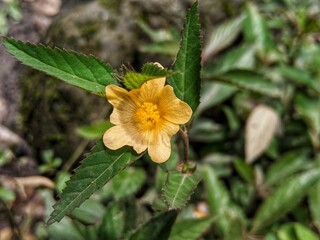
(83, 71)
(127, 182)
(154, 70)
(222, 36)
(178, 188)
(94, 172)
(284, 199)
(94, 130)
(133, 80)
(249, 80)
(261, 126)
(190, 229)
(157, 228)
(186, 81)
(287, 164)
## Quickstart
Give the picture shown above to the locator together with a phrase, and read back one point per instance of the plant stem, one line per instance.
(185, 141)
(76, 154)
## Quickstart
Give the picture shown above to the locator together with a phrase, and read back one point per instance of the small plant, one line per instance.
(10, 9)
(50, 162)
(252, 139)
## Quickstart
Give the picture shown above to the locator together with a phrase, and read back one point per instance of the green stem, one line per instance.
(76, 154)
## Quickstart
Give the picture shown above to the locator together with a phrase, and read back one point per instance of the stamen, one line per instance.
(148, 114)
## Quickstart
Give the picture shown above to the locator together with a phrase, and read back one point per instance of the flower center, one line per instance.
(148, 114)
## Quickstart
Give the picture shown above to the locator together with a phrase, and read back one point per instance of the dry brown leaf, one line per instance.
(261, 126)
(34, 181)
(6, 233)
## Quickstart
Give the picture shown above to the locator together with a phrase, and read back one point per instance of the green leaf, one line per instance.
(128, 181)
(229, 219)
(190, 229)
(244, 170)
(222, 36)
(256, 29)
(214, 94)
(169, 48)
(314, 200)
(304, 233)
(3, 23)
(133, 80)
(65, 229)
(179, 188)
(94, 130)
(242, 57)
(95, 171)
(205, 130)
(158, 228)
(286, 232)
(271, 236)
(7, 195)
(284, 199)
(308, 109)
(113, 222)
(90, 212)
(291, 162)
(83, 71)
(249, 80)
(299, 76)
(159, 35)
(135, 215)
(186, 81)
(233, 120)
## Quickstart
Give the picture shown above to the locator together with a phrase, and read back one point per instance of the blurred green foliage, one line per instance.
(268, 56)
(10, 9)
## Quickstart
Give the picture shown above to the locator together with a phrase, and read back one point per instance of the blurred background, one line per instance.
(255, 134)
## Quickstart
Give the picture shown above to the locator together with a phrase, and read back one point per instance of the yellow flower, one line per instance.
(145, 118)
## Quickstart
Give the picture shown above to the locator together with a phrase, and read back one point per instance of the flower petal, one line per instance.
(119, 97)
(149, 91)
(124, 105)
(122, 117)
(159, 148)
(119, 136)
(173, 109)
